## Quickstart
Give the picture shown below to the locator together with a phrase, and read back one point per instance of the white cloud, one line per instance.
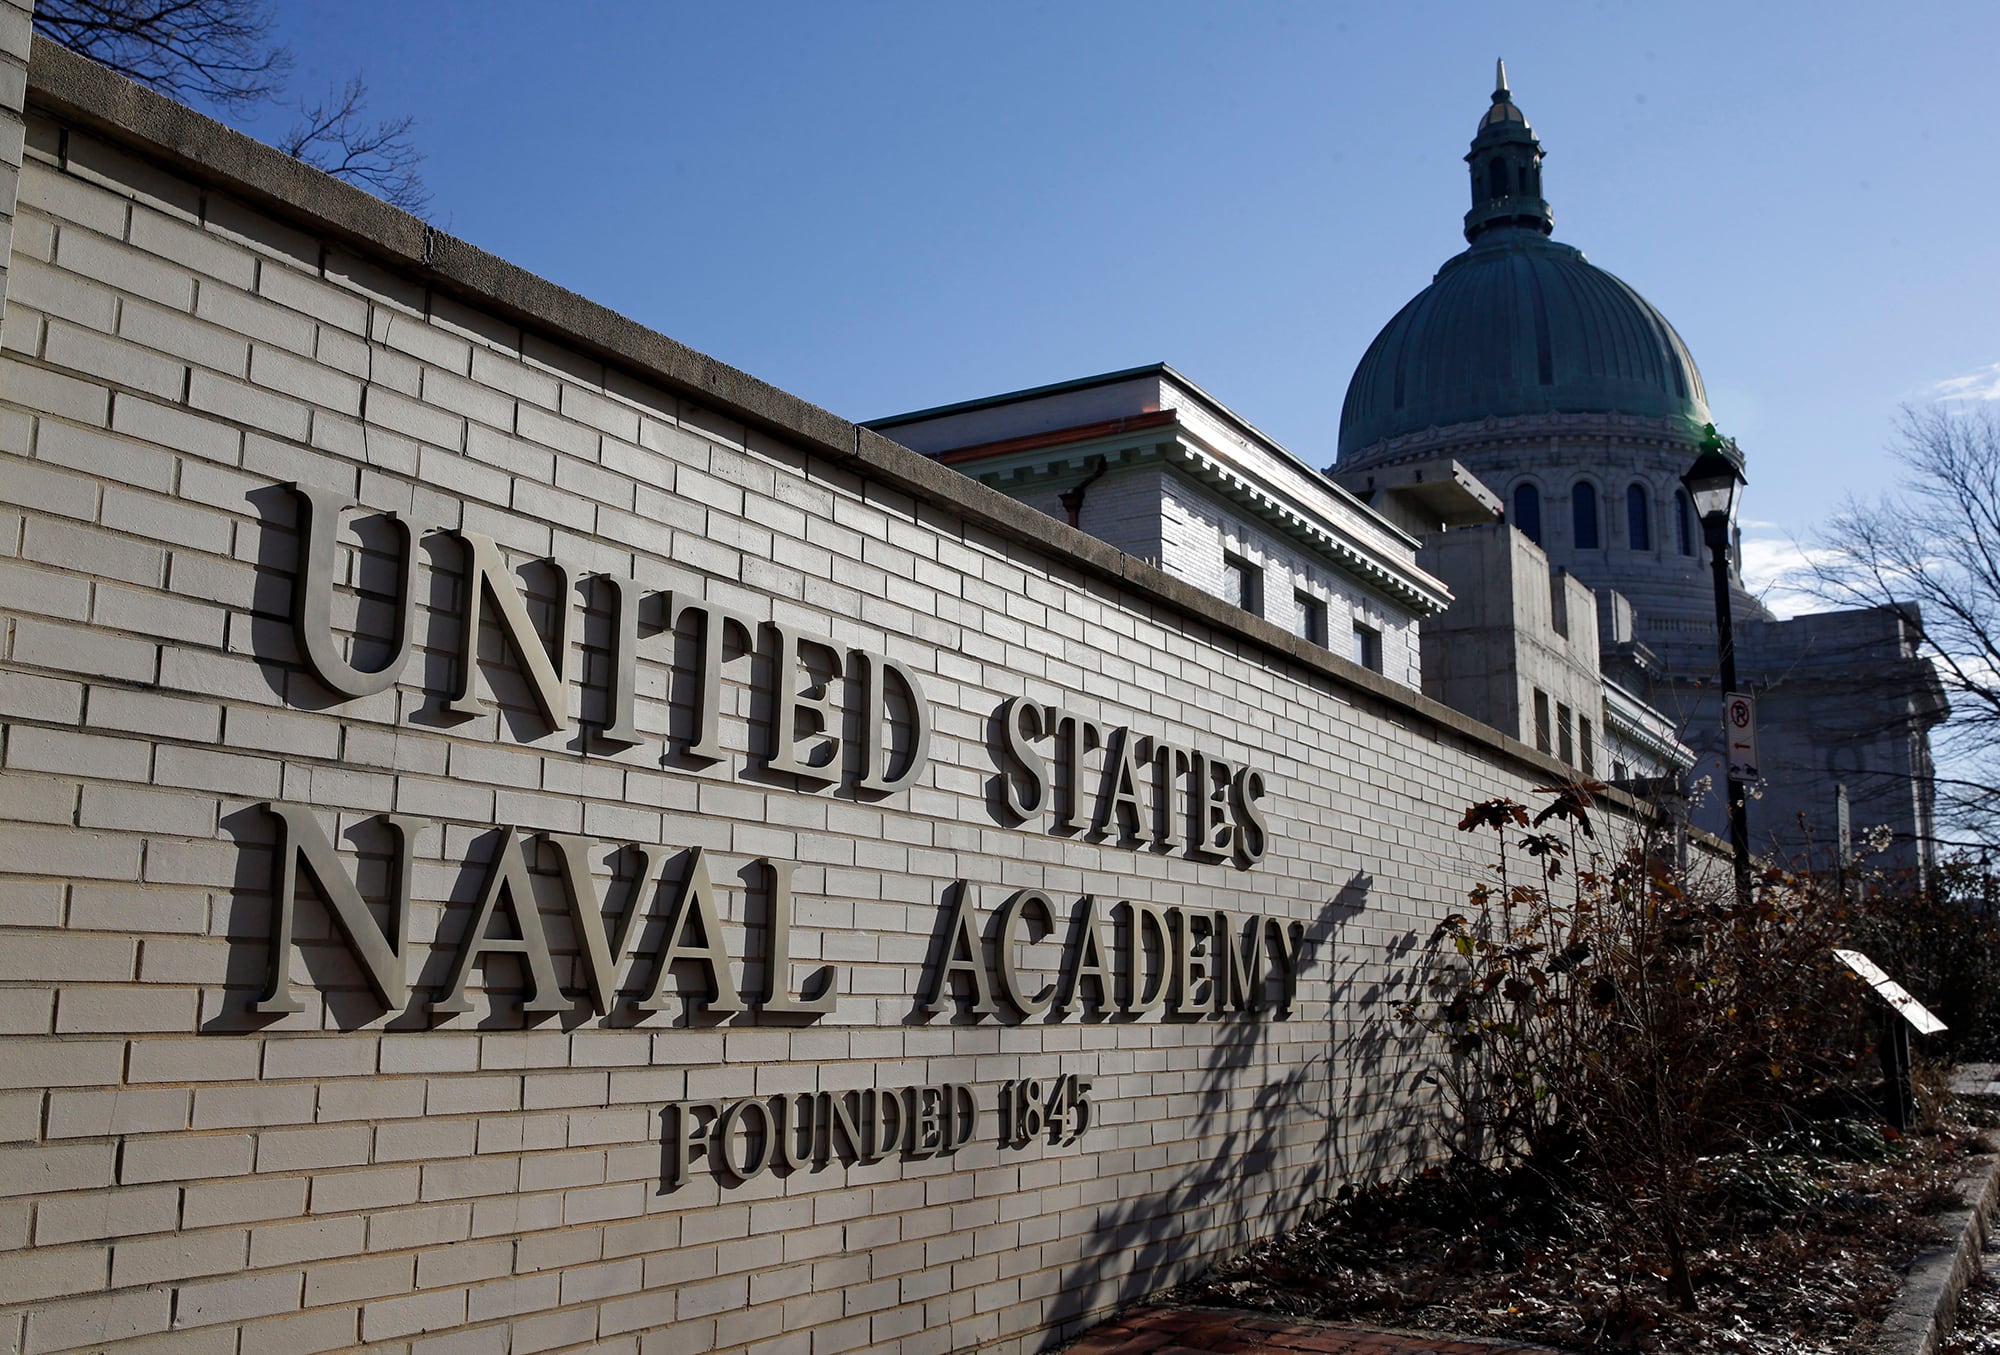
(1983, 384)
(1776, 570)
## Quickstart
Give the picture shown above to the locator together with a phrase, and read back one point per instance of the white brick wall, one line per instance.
(16, 32)
(176, 1169)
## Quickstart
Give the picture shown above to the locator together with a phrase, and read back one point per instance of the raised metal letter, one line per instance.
(686, 1136)
(869, 670)
(487, 575)
(623, 696)
(1215, 831)
(796, 715)
(1120, 789)
(1020, 746)
(508, 878)
(1144, 917)
(1191, 968)
(602, 955)
(1252, 837)
(1239, 963)
(1171, 764)
(301, 840)
(962, 955)
(1287, 938)
(1085, 960)
(1010, 925)
(758, 1143)
(716, 623)
(1075, 736)
(312, 604)
(778, 963)
(697, 905)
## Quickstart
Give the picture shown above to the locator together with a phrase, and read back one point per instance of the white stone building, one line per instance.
(1152, 464)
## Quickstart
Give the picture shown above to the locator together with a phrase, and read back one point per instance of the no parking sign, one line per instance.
(1739, 735)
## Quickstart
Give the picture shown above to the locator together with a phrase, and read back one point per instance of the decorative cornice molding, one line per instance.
(1525, 430)
(1044, 468)
(1640, 724)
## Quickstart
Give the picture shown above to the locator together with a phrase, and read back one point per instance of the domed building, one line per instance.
(1564, 390)
(1575, 401)
(1504, 530)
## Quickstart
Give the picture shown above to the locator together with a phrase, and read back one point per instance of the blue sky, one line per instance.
(883, 206)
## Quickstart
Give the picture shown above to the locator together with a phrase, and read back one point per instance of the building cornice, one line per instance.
(1525, 431)
(1640, 724)
(1029, 464)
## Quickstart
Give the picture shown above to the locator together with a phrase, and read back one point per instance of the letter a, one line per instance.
(962, 955)
(507, 878)
(697, 904)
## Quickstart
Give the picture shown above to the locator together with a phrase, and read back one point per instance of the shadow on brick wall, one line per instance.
(1344, 1115)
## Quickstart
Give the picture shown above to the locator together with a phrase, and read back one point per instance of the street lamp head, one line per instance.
(1716, 477)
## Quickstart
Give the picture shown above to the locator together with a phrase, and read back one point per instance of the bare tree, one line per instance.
(211, 51)
(1933, 551)
(334, 135)
(221, 53)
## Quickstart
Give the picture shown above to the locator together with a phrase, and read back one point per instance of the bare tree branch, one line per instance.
(221, 53)
(1932, 551)
(334, 135)
(214, 51)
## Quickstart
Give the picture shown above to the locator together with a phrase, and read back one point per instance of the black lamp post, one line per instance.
(1713, 482)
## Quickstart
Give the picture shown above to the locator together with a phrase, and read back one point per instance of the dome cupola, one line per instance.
(1517, 324)
(1506, 163)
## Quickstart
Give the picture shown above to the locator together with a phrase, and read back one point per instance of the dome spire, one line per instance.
(1506, 163)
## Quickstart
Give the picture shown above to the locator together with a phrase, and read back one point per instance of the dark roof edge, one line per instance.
(81, 92)
(1080, 383)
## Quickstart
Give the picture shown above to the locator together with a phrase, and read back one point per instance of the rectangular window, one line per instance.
(1542, 741)
(1368, 647)
(1565, 735)
(1242, 584)
(1586, 745)
(1309, 617)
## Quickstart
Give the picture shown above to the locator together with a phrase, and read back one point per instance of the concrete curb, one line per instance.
(1925, 1311)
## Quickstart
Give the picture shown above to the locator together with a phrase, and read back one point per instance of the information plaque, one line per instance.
(1899, 999)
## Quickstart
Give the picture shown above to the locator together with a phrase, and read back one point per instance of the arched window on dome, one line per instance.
(1496, 179)
(1583, 515)
(1683, 522)
(1528, 512)
(1638, 518)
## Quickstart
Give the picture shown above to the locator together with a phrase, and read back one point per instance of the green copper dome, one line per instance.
(1518, 323)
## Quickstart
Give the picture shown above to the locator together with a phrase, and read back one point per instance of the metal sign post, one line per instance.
(1739, 728)
(1900, 1014)
(1739, 743)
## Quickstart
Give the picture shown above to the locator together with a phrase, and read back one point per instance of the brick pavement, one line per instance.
(1213, 1331)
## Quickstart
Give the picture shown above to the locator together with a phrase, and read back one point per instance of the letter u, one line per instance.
(312, 608)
